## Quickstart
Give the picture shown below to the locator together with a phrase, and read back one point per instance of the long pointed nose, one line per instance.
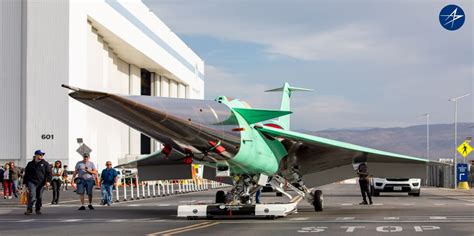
(188, 121)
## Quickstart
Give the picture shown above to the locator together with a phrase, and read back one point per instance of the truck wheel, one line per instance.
(318, 200)
(279, 194)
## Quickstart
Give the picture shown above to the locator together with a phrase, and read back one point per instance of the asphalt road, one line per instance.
(435, 212)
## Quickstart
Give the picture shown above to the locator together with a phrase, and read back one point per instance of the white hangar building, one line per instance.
(107, 45)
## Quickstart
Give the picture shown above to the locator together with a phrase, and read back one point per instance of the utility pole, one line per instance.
(455, 100)
(427, 115)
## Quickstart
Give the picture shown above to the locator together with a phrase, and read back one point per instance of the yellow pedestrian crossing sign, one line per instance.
(464, 149)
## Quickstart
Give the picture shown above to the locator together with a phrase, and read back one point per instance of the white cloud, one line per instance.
(313, 40)
(321, 112)
(220, 82)
(344, 43)
(391, 67)
(331, 44)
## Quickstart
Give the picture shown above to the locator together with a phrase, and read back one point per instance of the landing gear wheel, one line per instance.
(318, 200)
(220, 196)
(245, 200)
(279, 194)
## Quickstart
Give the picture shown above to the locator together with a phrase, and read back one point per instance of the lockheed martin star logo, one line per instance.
(451, 17)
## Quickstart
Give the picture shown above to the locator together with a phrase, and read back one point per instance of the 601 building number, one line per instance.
(47, 136)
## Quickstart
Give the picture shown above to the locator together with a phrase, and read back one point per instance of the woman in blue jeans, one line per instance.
(57, 173)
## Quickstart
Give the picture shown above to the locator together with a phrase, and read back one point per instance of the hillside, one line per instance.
(408, 140)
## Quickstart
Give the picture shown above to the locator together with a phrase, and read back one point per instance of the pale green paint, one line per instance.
(256, 154)
(332, 143)
(253, 116)
(285, 102)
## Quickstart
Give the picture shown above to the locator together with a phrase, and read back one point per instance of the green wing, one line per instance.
(323, 161)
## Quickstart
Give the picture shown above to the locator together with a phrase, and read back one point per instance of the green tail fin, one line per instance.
(253, 116)
(285, 102)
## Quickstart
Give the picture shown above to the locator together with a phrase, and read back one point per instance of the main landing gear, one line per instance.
(318, 200)
(238, 202)
(314, 197)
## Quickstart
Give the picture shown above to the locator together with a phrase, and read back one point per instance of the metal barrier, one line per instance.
(131, 188)
(440, 175)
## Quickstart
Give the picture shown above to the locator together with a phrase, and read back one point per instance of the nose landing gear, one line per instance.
(220, 196)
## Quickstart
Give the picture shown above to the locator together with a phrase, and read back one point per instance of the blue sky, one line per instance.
(371, 63)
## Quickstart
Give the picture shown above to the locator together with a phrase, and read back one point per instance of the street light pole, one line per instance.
(455, 100)
(427, 136)
(427, 115)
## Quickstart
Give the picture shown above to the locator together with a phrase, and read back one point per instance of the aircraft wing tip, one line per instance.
(70, 87)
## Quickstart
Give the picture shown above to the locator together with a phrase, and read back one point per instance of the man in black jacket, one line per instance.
(37, 175)
(363, 174)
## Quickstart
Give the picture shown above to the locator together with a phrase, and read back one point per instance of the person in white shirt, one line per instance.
(86, 172)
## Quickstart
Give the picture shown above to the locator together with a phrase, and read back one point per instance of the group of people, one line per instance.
(38, 175)
(9, 177)
(86, 173)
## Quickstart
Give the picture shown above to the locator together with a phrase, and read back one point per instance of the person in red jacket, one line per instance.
(7, 182)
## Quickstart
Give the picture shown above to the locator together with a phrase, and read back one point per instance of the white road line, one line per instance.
(345, 218)
(299, 218)
(189, 201)
(439, 204)
(346, 204)
(117, 220)
(4, 211)
(433, 219)
(159, 220)
(378, 204)
(162, 205)
(71, 220)
(391, 218)
(68, 205)
(26, 221)
(455, 198)
(354, 221)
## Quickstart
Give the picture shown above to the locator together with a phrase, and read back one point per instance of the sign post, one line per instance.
(462, 169)
(464, 149)
(84, 149)
(463, 172)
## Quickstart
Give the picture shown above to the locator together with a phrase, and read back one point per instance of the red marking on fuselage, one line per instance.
(167, 150)
(273, 126)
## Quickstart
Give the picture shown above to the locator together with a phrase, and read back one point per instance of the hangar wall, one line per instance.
(47, 65)
(104, 45)
(10, 79)
(123, 38)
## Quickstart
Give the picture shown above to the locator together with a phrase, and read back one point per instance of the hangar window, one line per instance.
(145, 141)
(145, 82)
